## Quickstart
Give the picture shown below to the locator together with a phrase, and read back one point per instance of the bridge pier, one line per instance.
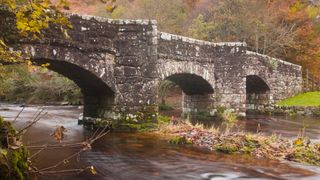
(98, 106)
(198, 103)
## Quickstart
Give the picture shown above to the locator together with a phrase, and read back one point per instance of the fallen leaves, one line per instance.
(58, 133)
(93, 170)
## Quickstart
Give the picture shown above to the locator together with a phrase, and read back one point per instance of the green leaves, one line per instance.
(201, 29)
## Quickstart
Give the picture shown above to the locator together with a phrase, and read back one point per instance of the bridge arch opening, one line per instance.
(97, 96)
(257, 93)
(188, 93)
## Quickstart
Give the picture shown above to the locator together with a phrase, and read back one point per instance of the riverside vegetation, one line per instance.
(231, 142)
(227, 139)
(36, 85)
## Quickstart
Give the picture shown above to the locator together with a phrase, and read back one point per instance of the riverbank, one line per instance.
(257, 145)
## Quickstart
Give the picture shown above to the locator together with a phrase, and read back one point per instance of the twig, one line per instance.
(61, 162)
(55, 146)
(86, 145)
(32, 123)
(18, 115)
(36, 113)
(66, 172)
(33, 155)
(95, 132)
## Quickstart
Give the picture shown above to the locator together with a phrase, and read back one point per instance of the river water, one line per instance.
(143, 156)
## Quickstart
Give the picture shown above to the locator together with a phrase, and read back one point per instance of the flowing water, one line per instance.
(144, 156)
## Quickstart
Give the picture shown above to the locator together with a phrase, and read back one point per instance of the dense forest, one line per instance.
(286, 29)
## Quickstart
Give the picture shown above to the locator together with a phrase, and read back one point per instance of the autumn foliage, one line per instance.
(286, 29)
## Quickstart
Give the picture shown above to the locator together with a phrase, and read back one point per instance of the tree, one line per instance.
(27, 19)
(170, 14)
(200, 29)
(286, 29)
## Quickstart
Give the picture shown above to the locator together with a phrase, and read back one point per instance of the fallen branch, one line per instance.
(37, 118)
(15, 119)
(86, 145)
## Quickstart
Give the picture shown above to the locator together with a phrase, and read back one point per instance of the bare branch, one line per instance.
(38, 117)
(18, 115)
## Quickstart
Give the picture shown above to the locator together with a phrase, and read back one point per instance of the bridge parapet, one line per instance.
(275, 61)
(115, 21)
(185, 48)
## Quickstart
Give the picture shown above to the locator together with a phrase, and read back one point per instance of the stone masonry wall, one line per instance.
(119, 65)
(225, 66)
(119, 53)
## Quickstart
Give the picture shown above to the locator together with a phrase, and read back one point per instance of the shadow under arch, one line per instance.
(197, 93)
(98, 97)
(257, 93)
(191, 84)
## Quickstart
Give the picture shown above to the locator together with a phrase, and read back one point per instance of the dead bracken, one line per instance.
(258, 145)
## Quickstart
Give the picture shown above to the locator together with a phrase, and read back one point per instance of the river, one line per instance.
(145, 156)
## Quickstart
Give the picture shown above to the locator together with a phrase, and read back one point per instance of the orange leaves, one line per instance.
(58, 133)
(303, 15)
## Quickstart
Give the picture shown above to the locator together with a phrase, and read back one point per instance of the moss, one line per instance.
(165, 107)
(273, 63)
(249, 144)
(179, 140)
(247, 150)
(310, 155)
(227, 147)
(19, 163)
(163, 119)
(202, 115)
(7, 125)
(143, 120)
(226, 115)
(13, 162)
(143, 127)
(103, 123)
(316, 113)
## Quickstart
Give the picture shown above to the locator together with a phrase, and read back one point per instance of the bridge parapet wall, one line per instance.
(182, 48)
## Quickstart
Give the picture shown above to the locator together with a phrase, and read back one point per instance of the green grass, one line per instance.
(305, 99)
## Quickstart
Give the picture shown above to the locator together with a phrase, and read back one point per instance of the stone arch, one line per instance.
(191, 84)
(167, 68)
(257, 93)
(197, 93)
(196, 82)
(92, 72)
(98, 63)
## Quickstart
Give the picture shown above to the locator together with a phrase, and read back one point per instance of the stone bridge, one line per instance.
(119, 64)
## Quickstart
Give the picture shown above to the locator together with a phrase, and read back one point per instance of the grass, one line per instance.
(305, 99)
